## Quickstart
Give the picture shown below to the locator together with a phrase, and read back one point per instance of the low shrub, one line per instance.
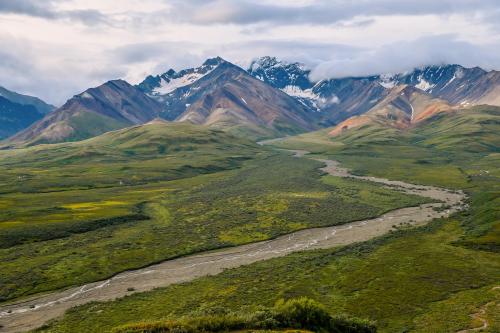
(301, 313)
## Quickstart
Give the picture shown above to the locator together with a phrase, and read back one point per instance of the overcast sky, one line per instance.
(57, 48)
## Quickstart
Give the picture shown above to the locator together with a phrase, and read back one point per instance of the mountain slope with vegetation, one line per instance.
(403, 107)
(457, 150)
(113, 105)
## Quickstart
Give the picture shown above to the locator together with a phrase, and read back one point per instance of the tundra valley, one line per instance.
(271, 195)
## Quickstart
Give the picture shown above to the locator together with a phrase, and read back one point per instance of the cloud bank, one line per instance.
(406, 55)
(317, 12)
(57, 48)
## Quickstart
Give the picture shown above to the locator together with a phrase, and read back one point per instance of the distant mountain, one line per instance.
(171, 88)
(16, 117)
(19, 111)
(336, 99)
(339, 99)
(454, 83)
(349, 97)
(221, 95)
(403, 107)
(281, 74)
(217, 94)
(113, 105)
(272, 98)
(14, 97)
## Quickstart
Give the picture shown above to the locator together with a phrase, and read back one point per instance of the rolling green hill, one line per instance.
(132, 156)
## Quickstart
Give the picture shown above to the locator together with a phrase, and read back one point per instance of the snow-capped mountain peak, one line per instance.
(280, 74)
(336, 98)
(171, 80)
(291, 78)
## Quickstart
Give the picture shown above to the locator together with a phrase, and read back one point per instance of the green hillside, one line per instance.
(79, 127)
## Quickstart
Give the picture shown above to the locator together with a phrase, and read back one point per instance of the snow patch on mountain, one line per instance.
(164, 84)
(309, 98)
(280, 73)
(459, 73)
(451, 80)
(87, 95)
(169, 85)
(296, 91)
(424, 85)
(387, 81)
(334, 100)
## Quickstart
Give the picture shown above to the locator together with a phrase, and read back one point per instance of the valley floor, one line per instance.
(33, 313)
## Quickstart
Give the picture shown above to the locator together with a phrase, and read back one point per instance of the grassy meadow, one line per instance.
(87, 210)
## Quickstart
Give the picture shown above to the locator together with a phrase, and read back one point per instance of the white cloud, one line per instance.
(406, 55)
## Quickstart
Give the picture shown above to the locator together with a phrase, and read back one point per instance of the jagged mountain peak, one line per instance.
(293, 79)
(340, 98)
(265, 61)
(270, 61)
(214, 61)
(169, 81)
(431, 78)
(281, 74)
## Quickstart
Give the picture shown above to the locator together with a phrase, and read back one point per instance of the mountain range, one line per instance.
(222, 95)
(270, 98)
(341, 98)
